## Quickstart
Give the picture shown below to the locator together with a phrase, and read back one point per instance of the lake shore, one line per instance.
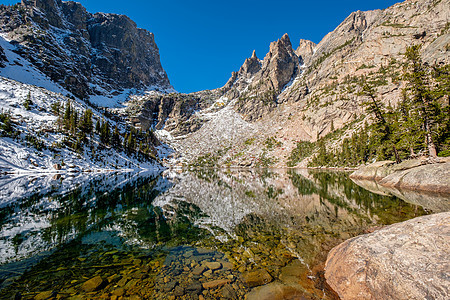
(403, 260)
(416, 174)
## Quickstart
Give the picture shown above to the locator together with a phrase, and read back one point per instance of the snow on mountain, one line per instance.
(20, 69)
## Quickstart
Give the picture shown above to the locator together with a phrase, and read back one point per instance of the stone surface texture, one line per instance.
(407, 260)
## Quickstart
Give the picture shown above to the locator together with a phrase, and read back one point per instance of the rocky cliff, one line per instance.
(88, 54)
(305, 94)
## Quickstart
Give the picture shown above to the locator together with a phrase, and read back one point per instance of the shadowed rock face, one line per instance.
(86, 53)
(408, 260)
(177, 108)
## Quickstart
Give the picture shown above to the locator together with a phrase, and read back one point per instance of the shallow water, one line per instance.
(184, 235)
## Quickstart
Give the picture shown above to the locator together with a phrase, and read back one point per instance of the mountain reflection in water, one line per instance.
(215, 233)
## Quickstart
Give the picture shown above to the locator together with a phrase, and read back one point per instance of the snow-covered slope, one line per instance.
(18, 68)
(39, 124)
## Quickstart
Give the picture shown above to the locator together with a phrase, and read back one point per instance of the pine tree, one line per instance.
(86, 123)
(409, 126)
(131, 143)
(28, 103)
(115, 139)
(98, 127)
(67, 115)
(382, 126)
(105, 133)
(73, 121)
(421, 96)
(441, 75)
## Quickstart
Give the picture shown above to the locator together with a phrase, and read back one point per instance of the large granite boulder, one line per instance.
(409, 260)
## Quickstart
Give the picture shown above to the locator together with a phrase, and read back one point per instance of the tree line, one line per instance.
(79, 128)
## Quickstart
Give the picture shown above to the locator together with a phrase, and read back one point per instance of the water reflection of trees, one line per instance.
(387, 209)
(126, 214)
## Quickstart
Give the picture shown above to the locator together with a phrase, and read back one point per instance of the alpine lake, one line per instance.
(199, 234)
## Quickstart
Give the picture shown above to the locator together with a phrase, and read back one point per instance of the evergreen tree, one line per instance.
(105, 133)
(28, 103)
(130, 143)
(73, 121)
(55, 107)
(86, 122)
(98, 127)
(115, 139)
(382, 126)
(441, 75)
(421, 97)
(67, 115)
(409, 126)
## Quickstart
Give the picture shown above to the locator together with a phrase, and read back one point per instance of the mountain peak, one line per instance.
(254, 54)
(94, 54)
(286, 40)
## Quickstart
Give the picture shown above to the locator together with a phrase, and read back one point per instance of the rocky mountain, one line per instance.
(90, 55)
(304, 94)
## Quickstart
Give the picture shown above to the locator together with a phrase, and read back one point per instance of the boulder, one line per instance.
(407, 260)
(375, 171)
(415, 174)
(432, 177)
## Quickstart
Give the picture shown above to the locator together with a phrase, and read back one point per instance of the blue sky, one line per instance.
(201, 42)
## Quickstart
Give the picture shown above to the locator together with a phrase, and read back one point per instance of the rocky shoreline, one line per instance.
(415, 174)
(407, 260)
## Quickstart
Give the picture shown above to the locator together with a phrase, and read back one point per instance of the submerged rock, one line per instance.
(93, 284)
(215, 283)
(213, 265)
(44, 295)
(256, 278)
(408, 260)
(275, 291)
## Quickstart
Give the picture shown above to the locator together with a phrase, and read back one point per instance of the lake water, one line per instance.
(204, 234)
